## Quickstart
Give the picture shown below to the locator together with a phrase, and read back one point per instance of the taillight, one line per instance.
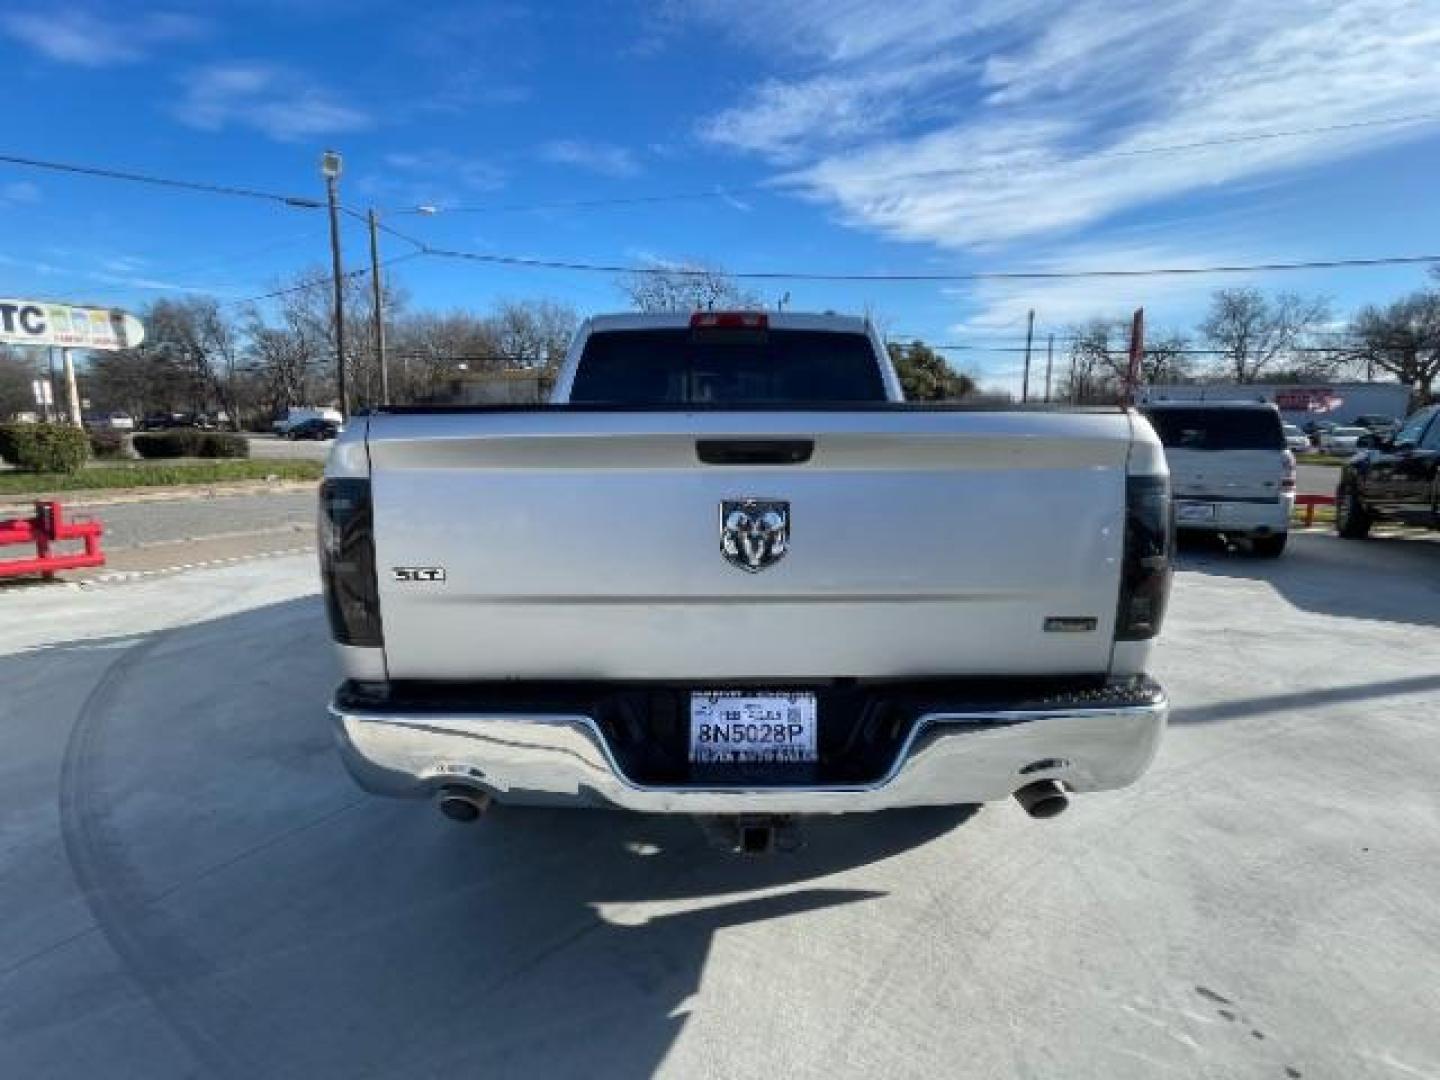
(1287, 478)
(347, 562)
(1145, 575)
(729, 320)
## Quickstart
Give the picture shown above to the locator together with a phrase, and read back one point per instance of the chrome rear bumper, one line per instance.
(562, 759)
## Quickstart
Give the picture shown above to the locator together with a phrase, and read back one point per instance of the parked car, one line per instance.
(115, 421)
(1296, 440)
(1316, 430)
(1393, 479)
(1230, 469)
(1342, 440)
(298, 414)
(504, 636)
(314, 428)
(1378, 424)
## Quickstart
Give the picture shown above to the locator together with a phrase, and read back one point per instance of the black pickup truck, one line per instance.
(1393, 479)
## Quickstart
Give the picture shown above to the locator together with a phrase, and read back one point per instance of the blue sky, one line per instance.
(933, 135)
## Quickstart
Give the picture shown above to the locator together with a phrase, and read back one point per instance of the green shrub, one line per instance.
(224, 444)
(168, 444)
(189, 443)
(51, 448)
(107, 444)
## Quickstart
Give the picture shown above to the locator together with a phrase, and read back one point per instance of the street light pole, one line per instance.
(377, 310)
(1029, 334)
(330, 164)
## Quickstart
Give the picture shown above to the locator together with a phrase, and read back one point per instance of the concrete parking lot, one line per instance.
(192, 887)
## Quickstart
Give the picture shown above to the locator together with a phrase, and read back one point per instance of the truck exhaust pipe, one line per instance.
(463, 804)
(1043, 799)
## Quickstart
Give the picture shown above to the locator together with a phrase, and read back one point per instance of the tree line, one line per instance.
(250, 363)
(1248, 336)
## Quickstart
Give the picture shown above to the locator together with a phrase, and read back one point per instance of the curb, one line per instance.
(174, 493)
(114, 576)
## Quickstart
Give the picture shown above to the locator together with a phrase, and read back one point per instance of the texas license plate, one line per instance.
(736, 727)
(1193, 511)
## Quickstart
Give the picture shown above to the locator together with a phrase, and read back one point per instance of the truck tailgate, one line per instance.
(587, 545)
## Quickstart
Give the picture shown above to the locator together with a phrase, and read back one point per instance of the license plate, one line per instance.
(735, 727)
(1194, 511)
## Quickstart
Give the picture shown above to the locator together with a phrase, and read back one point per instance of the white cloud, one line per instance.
(266, 97)
(969, 125)
(91, 40)
(786, 119)
(474, 173)
(430, 178)
(598, 157)
(19, 192)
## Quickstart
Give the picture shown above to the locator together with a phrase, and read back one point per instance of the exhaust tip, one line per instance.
(1043, 799)
(462, 804)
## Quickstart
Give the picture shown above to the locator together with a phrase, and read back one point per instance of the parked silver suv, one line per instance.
(1230, 469)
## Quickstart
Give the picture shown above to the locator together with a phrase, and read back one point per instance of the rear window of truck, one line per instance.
(685, 367)
(1218, 429)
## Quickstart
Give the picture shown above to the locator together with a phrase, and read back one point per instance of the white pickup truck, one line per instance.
(729, 571)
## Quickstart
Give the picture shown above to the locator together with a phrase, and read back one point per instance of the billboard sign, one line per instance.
(39, 322)
(1310, 399)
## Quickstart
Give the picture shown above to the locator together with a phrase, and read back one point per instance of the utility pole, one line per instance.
(1049, 364)
(1029, 333)
(330, 164)
(1137, 352)
(378, 310)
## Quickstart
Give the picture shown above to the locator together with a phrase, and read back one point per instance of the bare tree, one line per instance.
(427, 350)
(1402, 339)
(1095, 371)
(534, 332)
(692, 286)
(1255, 333)
(1165, 358)
(1100, 360)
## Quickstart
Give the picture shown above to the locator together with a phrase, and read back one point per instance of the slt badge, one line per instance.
(754, 533)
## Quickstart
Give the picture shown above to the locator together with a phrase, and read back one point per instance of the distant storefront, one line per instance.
(1341, 402)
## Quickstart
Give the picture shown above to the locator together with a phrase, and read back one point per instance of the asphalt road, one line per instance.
(1316, 479)
(129, 525)
(192, 887)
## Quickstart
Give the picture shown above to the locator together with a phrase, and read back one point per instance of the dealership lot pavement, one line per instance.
(191, 886)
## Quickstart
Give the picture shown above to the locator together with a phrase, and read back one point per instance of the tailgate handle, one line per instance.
(754, 451)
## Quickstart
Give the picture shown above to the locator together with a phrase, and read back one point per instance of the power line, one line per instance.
(324, 279)
(163, 181)
(975, 275)
(248, 254)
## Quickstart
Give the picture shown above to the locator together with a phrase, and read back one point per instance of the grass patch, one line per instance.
(1321, 459)
(145, 474)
